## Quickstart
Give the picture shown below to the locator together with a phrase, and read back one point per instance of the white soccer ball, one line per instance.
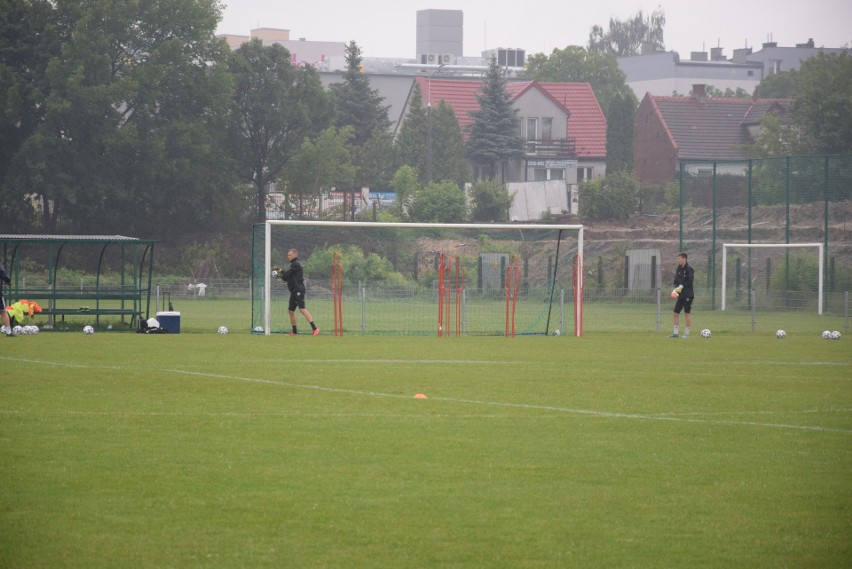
(17, 330)
(835, 335)
(557, 332)
(223, 329)
(705, 333)
(35, 329)
(826, 334)
(780, 334)
(88, 330)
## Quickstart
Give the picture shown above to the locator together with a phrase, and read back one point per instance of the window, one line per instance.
(584, 174)
(540, 174)
(532, 129)
(557, 174)
(546, 128)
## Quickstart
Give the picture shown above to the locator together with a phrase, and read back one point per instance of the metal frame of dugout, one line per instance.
(129, 300)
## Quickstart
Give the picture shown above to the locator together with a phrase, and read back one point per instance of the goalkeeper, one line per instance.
(295, 279)
(684, 294)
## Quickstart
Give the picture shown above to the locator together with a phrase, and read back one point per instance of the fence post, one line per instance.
(659, 321)
(753, 303)
(363, 307)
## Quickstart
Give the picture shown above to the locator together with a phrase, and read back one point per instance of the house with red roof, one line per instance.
(563, 125)
(671, 130)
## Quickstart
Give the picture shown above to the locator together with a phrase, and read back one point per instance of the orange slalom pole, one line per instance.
(441, 270)
(337, 293)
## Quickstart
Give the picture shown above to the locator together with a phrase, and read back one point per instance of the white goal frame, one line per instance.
(267, 253)
(819, 246)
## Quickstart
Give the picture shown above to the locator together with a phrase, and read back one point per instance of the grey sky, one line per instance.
(387, 28)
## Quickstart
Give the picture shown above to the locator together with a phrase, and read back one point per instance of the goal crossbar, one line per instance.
(267, 288)
(819, 247)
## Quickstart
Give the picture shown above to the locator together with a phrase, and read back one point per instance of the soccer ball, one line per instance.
(780, 334)
(88, 330)
(223, 329)
(826, 335)
(705, 333)
(17, 330)
(34, 329)
(835, 335)
(557, 332)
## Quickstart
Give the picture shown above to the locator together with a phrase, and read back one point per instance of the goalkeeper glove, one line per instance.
(676, 292)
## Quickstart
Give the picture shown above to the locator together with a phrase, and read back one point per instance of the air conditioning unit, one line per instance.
(432, 58)
(446, 58)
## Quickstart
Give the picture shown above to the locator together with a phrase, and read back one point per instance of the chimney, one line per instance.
(716, 54)
(699, 91)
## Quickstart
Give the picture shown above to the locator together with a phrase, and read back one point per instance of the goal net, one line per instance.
(787, 275)
(422, 279)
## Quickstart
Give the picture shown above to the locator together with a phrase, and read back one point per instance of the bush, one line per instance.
(612, 197)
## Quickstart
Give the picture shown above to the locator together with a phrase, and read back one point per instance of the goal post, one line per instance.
(818, 246)
(391, 275)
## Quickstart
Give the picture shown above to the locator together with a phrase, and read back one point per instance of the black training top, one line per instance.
(294, 277)
(684, 276)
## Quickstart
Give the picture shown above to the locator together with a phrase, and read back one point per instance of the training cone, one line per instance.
(420, 396)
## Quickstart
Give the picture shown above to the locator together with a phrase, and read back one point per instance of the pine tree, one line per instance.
(495, 133)
(619, 134)
(411, 142)
(358, 105)
(448, 161)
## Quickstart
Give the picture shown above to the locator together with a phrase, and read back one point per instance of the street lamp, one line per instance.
(429, 124)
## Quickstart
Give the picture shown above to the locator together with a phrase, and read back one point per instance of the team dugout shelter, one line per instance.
(102, 280)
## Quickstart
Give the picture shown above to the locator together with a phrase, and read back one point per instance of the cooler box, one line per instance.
(169, 321)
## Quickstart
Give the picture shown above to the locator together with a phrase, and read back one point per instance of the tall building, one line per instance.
(440, 36)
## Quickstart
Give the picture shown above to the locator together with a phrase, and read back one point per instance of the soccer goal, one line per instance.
(820, 262)
(423, 279)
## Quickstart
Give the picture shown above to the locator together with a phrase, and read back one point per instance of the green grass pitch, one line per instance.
(610, 450)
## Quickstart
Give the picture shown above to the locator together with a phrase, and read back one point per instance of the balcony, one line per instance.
(560, 148)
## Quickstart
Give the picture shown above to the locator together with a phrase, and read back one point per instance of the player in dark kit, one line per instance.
(684, 294)
(295, 279)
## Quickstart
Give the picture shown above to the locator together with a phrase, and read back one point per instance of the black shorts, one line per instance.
(297, 300)
(684, 303)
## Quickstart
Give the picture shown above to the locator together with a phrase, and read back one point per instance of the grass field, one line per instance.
(611, 450)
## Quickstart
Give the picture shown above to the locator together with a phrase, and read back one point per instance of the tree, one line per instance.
(495, 133)
(411, 142)
(275, 107)
(630, 37)
(357, 104)
(448, 161)
(823, 103)
(780, 85)
(619, 134)
(124, 98)
(490, 202)
(441, 202)
(319, 164)
(775, 139)
(405, 184)
(576, 65)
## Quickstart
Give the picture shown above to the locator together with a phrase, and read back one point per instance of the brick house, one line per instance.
(668, 130)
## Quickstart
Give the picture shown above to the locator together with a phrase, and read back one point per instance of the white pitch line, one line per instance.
(586, 412)
(566, 410)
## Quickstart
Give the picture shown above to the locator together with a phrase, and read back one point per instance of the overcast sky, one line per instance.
(387, 28)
